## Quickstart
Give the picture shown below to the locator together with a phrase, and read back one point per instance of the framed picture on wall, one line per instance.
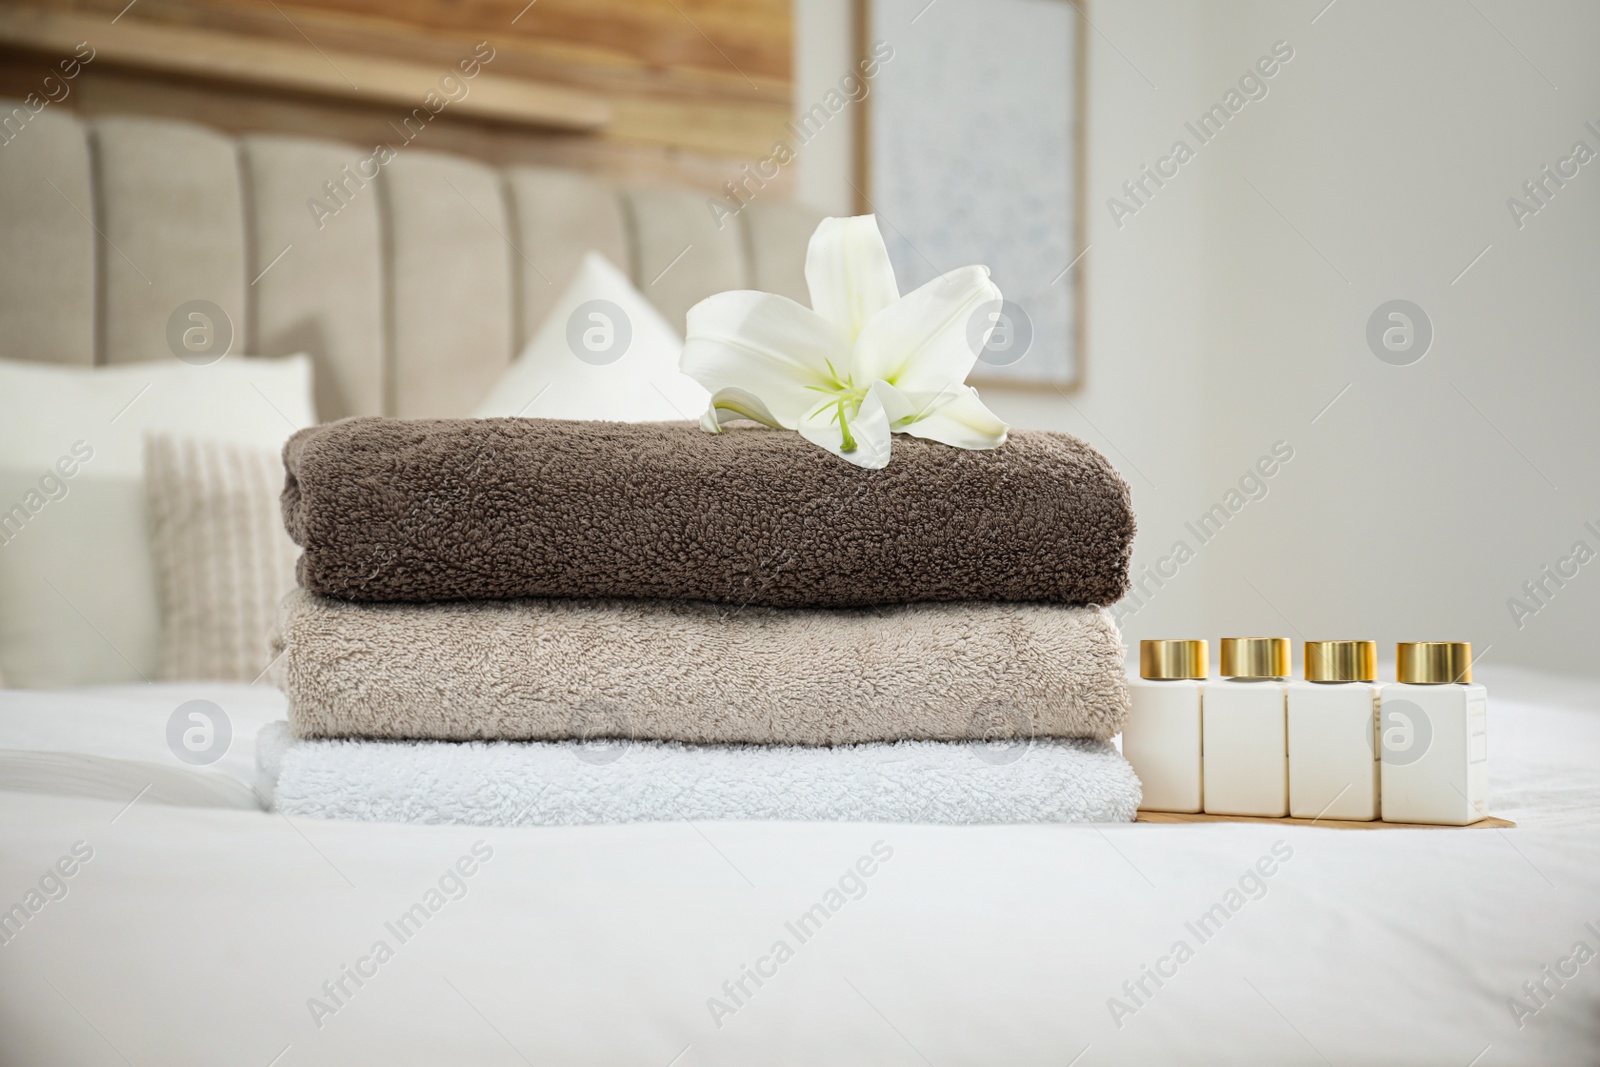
(972, 152)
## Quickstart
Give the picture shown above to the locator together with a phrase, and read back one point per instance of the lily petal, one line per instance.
(896, 404)
(924, 341)
(733, 403)
(833, 426)
(768, 346)
(848, 272)
(959, 419)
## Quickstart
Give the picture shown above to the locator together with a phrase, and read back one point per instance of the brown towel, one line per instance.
(444, 509)
(516, 670)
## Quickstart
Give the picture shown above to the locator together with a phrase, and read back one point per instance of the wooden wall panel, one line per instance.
(695, 87)
(239, 109)
(655, 44)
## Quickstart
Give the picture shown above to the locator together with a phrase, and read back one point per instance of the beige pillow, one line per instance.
(223, 561)
(78, 601)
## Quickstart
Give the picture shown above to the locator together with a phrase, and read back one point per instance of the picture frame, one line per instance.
(994, 177)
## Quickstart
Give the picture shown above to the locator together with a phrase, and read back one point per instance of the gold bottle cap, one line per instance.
(1433, 662)
(1341, 661)
(1170, 660)
(1255, 657)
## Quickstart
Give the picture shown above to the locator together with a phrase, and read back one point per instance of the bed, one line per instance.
(166, 916)
(203, 929)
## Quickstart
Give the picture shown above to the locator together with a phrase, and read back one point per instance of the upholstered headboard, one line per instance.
(411, 289)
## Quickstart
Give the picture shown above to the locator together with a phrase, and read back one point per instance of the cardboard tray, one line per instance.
(1488, 822)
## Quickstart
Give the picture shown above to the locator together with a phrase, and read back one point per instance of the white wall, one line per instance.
(1421, 502)
(1223, 318)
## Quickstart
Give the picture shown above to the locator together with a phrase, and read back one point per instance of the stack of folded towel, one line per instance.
(508, 621)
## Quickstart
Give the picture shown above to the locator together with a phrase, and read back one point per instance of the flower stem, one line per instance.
(849, 442)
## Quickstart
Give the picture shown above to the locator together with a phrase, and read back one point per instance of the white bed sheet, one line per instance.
(111, 742)
(200, 934)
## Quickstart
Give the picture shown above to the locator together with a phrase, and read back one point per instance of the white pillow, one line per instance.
(77, 585)
(603, 352)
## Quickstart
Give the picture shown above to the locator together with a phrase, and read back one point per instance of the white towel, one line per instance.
(567, 783)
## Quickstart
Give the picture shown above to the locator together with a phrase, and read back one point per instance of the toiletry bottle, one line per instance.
(1333, 717)
(1244, 731)
(1162, 738)
(1434, 738)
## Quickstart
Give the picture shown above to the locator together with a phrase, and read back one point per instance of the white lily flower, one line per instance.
(862, 363)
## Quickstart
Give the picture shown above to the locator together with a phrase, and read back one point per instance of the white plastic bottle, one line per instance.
(1162, 738)
(1244, 734)
(1333, 717)
(1433, 730)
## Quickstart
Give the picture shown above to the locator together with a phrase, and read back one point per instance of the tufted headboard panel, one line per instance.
(412, 284)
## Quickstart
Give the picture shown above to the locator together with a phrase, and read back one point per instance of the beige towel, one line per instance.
(700, 673)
